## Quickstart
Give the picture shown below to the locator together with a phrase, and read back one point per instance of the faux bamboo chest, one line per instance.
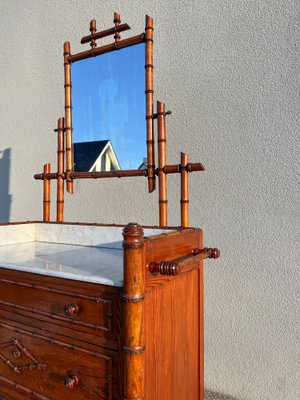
(100, 312)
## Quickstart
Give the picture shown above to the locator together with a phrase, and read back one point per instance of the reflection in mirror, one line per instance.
(109, 126)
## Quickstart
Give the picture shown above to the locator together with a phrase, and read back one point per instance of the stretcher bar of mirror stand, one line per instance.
(167, 169)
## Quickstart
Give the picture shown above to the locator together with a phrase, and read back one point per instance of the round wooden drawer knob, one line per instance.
(71, 309)
(71, 381)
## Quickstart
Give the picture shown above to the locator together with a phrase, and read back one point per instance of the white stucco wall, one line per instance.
(229, 71)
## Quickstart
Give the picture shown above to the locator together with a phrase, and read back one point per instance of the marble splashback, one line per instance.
(14, 234)
(84, 235)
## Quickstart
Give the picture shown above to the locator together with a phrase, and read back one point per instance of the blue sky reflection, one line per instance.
(109, 102)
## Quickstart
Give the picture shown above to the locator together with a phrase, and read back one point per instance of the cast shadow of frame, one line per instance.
(5, 197)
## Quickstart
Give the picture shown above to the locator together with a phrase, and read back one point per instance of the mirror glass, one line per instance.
(108, 99)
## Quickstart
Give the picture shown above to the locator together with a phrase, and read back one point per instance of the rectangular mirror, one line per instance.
(109, 111)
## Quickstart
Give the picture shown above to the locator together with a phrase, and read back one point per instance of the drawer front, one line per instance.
(38, 367)
(86, 313)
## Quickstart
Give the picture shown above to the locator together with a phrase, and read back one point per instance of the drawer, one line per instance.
(86, 313)
(35, 366)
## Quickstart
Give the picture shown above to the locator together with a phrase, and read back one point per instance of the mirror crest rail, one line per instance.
(65, 141)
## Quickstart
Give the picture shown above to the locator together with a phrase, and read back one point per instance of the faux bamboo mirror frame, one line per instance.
(133, 161)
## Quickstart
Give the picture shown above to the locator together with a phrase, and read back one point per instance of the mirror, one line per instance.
(108, 101)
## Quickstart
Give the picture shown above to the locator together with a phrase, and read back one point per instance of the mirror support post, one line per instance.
(68, 116)
(162, 161)
(46, 194)
(60, 170)
(149, 102)
(184, 201)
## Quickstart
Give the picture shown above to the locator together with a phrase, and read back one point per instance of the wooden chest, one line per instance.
(64, 334)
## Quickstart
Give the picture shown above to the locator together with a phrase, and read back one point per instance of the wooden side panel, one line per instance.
(174, 337)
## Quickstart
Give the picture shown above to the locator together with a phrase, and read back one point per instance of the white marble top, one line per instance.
(79, 252)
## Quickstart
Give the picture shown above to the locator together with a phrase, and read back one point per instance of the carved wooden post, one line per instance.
(46, 202)
(60, 171)
(162, 161)
(133, 313)
(149, 102)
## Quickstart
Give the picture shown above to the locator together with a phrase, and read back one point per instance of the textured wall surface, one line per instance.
(229, 71)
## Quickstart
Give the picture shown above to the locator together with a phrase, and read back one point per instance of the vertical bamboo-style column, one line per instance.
(149, 102)
(68, 116)
(184, 201)
(46, 194)
(162, 161)
(133, 313)
(60, 170)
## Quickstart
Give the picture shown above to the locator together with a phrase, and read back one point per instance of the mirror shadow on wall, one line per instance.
(5, 197)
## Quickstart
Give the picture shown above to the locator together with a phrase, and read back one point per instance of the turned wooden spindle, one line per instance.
(184, 200)
(46, 200)
(162, 161)
(60, 170)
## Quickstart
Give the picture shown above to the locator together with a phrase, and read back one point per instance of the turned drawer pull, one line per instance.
(71, 309)
(71, 381)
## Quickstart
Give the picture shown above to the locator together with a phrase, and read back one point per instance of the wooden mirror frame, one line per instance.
(145, 37)
(65, 166)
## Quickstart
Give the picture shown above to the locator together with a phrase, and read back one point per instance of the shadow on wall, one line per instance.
(209, 395)
(5, 197)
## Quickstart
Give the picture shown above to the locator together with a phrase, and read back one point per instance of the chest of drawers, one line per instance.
(91, 315)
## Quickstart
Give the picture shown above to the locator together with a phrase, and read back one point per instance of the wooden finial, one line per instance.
(117, 21)
(93, 30)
